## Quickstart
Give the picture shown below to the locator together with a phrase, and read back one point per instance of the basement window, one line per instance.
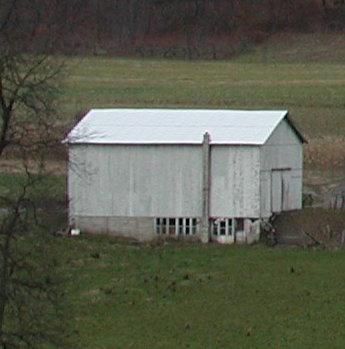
(176, 226)
(222, 227)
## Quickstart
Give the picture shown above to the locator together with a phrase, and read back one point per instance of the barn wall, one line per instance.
(235, 178)
(135, 181)
(281, 171)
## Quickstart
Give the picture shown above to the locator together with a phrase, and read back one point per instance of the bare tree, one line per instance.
(30, 32)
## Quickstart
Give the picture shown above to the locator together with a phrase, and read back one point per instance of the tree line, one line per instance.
(188, 28)
(198, 27)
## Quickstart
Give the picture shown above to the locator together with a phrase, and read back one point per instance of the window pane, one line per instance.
(194, 222)
(172, 228)
(180, 226)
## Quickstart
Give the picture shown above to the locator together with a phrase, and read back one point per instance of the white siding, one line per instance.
(135, 181)
(281, 171)
(283, 149)
(235, 181)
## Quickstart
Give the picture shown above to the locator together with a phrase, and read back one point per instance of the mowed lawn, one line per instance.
(188, 295)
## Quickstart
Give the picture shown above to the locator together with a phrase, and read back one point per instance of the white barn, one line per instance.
(211, 174)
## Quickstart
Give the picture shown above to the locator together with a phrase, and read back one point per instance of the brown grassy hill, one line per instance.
(311, 227)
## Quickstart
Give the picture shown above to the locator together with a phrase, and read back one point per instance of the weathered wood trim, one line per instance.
(206, 183)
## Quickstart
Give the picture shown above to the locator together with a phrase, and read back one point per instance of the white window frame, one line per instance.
(226, 224)
(180, 226)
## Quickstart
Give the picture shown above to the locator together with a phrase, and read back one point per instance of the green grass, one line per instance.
(187, 295)
(43, 189)
(44, 199)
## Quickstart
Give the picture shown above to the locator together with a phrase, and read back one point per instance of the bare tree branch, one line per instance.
(30, 293)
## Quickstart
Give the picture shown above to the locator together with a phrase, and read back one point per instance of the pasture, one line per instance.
(187, 295)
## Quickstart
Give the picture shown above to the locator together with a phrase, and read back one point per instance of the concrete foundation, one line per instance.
(141, 228)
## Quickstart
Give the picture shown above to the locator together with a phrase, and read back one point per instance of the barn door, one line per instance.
(280, 190)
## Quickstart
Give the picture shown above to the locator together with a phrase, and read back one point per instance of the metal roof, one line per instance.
(176, 126)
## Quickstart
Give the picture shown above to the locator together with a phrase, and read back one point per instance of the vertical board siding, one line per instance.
(281, 171)
(283, 149)
(235, 181)
(142, 181)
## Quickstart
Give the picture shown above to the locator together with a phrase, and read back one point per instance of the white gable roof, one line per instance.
(175, 126)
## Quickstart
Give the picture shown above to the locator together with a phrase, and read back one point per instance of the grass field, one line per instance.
(186, 295)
